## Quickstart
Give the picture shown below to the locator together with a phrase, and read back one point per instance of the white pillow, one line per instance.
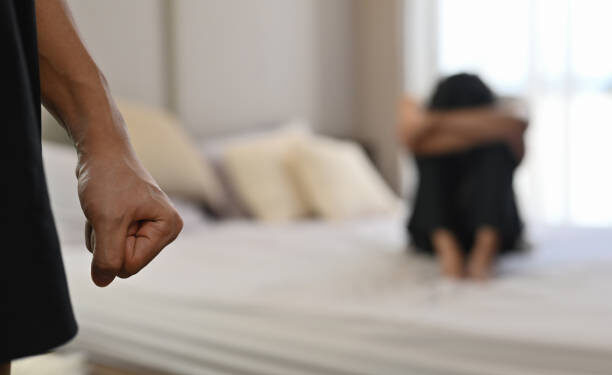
(169, 155)
(338, 180)
(259, 171)
(213, 149)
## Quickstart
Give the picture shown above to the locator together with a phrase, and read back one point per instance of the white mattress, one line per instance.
(338, 298)
(345, 298)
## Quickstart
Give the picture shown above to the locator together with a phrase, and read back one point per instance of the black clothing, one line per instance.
(463, 191)
(35, 310)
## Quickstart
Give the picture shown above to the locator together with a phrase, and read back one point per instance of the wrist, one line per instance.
(85, 108)
(98, 129)
(114, 157)
(101, 135)
(102, 143)
(108, 155)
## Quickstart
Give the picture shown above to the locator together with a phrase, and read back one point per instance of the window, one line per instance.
(555, 54)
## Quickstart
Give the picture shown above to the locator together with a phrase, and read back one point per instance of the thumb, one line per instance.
(149, 240)
(108, 251)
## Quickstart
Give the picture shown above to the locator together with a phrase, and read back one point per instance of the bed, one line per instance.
(314, 297)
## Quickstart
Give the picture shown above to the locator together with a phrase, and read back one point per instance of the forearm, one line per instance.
(72, 87)
(450, 131)
(129, 218)
(414, 123)
(439, 142)
(478, 125)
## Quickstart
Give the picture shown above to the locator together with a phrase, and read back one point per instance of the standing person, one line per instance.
(467, 148)
(129, 219)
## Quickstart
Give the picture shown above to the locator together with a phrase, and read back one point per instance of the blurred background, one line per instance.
(547, 52)
(272, 124)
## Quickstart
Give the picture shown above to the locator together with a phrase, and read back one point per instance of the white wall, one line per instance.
(246, 63)
(231, 64)
(228, 65)
(126, 39)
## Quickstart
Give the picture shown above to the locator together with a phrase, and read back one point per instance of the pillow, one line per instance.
(213, 149)
(338, 180)
(215, 146)
(164, 149)
(259, 173)
(168, 154)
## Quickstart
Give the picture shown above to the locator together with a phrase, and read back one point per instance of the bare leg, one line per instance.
(5, 368)
(449, 253)
(484, 252)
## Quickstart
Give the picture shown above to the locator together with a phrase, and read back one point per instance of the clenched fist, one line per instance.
(129, 218)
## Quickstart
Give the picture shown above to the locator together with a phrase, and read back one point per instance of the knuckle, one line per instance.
(124, 274)
(173, 228)
(171, 238)
(130, 269)
(178, 223)
(173, 225)
(109, 217)
(108, 265)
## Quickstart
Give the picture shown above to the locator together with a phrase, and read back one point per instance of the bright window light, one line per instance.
(554, 53)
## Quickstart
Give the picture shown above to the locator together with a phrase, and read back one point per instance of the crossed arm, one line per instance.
(129, 218)
(437, 132)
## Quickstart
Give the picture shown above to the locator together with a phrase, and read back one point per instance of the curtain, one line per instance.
(555, 54)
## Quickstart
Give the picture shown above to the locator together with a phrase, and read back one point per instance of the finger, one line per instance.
(130, 244)
(150, 240)
(88, 236)
(109, 250)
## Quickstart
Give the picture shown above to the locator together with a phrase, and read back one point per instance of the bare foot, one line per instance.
(480, 267)
(484, 253)
(449, 254)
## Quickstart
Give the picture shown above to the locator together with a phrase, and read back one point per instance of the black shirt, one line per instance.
(35, 310)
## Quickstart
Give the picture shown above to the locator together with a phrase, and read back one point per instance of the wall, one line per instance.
(229, 65)
(379, 26)
(126, 39)
(245, 63)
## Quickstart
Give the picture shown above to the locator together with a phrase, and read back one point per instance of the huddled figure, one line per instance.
(467, 144)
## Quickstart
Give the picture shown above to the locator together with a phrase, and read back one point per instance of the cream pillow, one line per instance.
(338, 180)
(259, 171)
(168, 154)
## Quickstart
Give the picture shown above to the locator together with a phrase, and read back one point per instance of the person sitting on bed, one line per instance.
(467, 146)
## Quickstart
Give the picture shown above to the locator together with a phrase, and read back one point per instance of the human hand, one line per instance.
(413, 121)
(129, 218)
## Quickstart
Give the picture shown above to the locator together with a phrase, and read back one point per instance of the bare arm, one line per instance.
(477, 125)
(129, 219)
(73, 89)
(446, 131)
(457, 130)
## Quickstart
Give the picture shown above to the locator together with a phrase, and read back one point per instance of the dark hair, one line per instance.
(461, 91)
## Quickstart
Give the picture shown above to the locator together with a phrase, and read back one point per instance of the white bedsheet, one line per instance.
(341, 298)
(319, 298)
